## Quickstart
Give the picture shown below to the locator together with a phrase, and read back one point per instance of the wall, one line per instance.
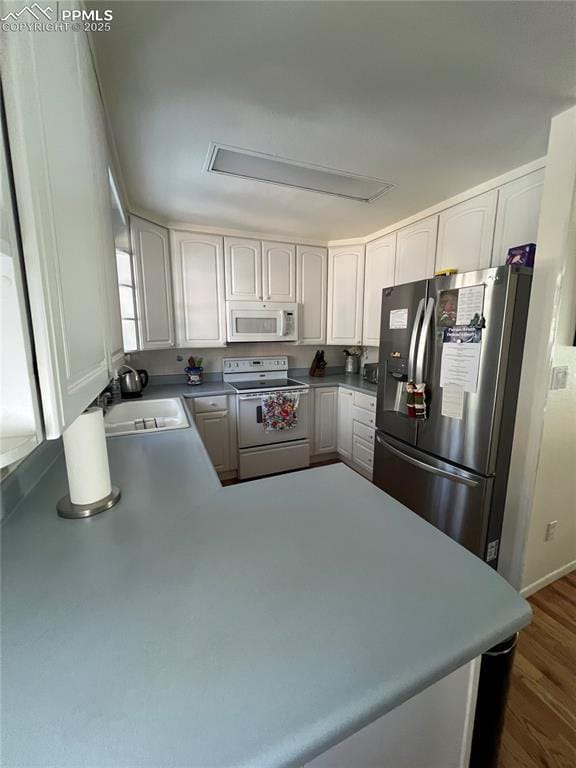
(541, 485)
(164, 361)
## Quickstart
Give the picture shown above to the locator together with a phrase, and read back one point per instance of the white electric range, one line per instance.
(262, 452)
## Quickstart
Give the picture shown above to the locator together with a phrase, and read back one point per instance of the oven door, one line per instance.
(251, 431)
(260, 321)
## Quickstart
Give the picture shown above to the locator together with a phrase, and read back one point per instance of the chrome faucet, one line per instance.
(103, 401)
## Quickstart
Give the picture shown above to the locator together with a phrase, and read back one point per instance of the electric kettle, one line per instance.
(132, 382)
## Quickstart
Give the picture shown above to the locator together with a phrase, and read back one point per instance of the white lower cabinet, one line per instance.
(345, 405)
(431, 730)
(216, 424)
(325, 420)
(356, 425)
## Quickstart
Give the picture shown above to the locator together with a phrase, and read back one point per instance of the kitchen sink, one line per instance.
(138, 417)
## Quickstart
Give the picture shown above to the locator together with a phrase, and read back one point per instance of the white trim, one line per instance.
(486, 186)
(204, 229)
(548, 579)
(471, 701)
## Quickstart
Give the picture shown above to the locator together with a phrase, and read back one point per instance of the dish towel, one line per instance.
(279, 411)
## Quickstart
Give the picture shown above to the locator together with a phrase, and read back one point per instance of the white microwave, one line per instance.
(261, 321)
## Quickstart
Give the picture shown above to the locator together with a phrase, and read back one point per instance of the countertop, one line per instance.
(252, 626)
(213, 388)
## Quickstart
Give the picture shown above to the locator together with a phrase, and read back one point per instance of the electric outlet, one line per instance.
(550, 530)
(559, 377)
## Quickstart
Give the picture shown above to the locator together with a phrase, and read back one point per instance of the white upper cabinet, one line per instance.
(198, 273)
(151, 258)
(312, 280)
(243, 267)
(278, 272)
(416, 251)
(56, 135)
(345, 294)
(517, 215)
(466, 233)
(379, 274)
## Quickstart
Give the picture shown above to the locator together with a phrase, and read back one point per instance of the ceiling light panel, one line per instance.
(245, 164)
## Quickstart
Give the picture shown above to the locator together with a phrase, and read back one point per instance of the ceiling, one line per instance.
(434, 97)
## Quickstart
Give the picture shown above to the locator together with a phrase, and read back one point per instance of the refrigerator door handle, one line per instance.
(422, 465)
(414, 339)
(419, 373)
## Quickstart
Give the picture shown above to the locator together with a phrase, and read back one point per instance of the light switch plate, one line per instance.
(559, 377)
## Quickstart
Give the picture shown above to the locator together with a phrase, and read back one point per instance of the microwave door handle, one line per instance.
(282, 323)
(424, 341)
(414, 339)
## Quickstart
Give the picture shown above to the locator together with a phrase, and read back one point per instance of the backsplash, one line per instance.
(164, 361)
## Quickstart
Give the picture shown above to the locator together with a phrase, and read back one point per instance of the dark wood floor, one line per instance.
(540, 725)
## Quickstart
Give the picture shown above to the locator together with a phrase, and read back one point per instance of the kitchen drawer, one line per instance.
(368, 402)
(209, 404)
(366, 433)
(363, 416)
(363, 453)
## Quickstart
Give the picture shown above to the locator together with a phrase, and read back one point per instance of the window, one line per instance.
(127, 300)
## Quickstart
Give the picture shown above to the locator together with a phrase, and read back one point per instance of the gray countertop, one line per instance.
(212, 388)
(252, 626)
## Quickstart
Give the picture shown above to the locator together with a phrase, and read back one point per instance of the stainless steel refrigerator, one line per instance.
(462, 336)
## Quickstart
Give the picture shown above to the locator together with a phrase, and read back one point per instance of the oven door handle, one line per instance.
(260, 395)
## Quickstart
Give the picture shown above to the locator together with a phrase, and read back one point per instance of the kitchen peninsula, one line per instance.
(255, 625)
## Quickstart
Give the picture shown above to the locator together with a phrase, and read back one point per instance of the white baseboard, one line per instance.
(548, 579)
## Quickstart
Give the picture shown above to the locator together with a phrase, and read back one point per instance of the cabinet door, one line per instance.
(214, 429)
(54, 134)
(198, 273)
(312, 275)
(416, 251)
(278, 272)
(325, 413)
(243, 267)
(151, 254)
(517, 215)
(379, 274)
(466, 233)
(344, 438)
(345, 294)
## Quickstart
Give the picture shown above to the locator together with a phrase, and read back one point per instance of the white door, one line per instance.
(151, 259)
(345, 294)
(344, 437)
(416, 251)
(55, 134)
(198, 274)
(378, 274)
(517, 214)
(466, 233)
(243, 269)
(278, 272)
(214, 429)
(312, 276)
(325, 414)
